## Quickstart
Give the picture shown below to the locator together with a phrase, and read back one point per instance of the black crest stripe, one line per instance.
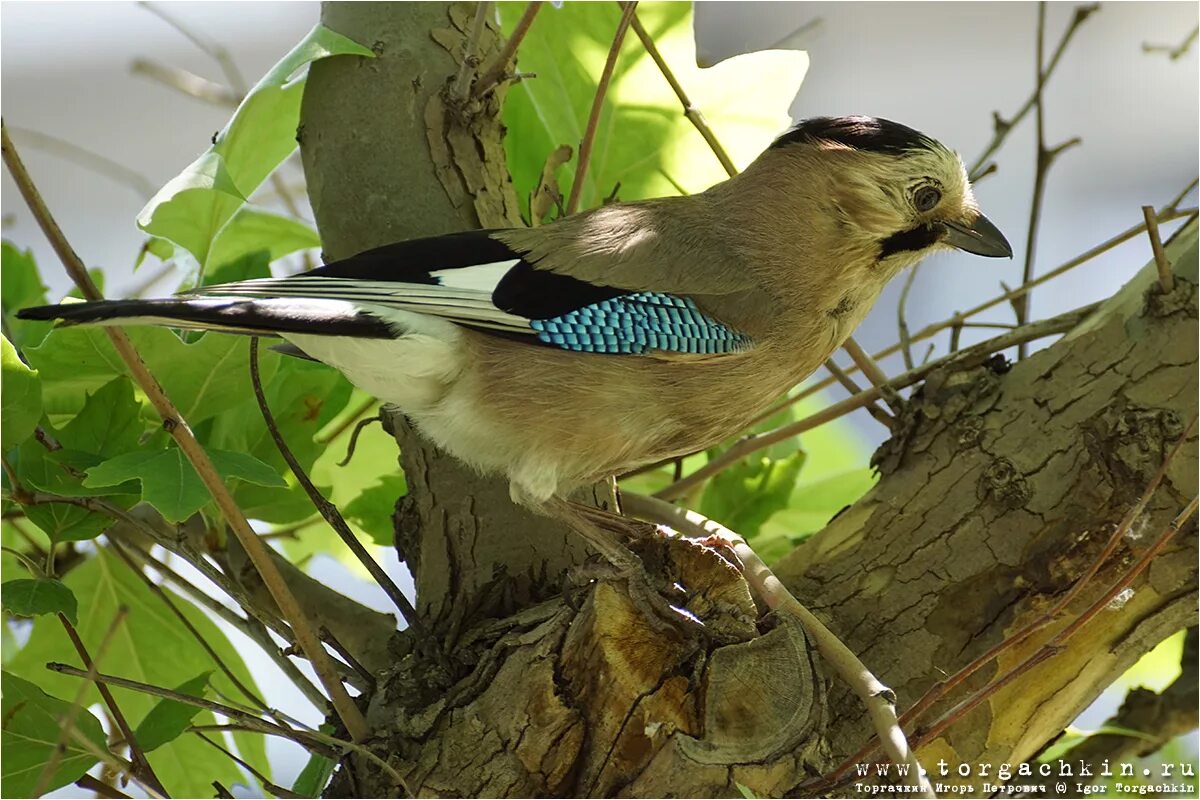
(871, 134)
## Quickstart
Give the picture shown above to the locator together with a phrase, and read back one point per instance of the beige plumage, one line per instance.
(790, 255)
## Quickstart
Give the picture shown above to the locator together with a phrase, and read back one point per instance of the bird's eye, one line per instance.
(926, 198)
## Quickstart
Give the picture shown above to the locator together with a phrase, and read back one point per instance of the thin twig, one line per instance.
(358, 428)
(185, 82)
(312, 740)
(116, 764)
(328, 637)
(253, 627)
(212, 48)
(589, 134)
(470, 60)
(328, 510)
(850, 386)
(878, 698)
(971, 357)
(693, 114)
(1166, 278)
(1057, 643)
(944, 687)
(1177, 52)
(263, 780)
(158, 592)
(1004, 127)
(100, 788)
(493, 75)
(901, 322)
(872, 372)
(1044, 160)
(246, 718)
(366, 405)
(179, 548)
(137, 756)
(97, 163)
(1169, 213)
(68, 722)
(177, 426)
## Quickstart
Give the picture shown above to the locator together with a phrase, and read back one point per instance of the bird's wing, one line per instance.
(477, 281)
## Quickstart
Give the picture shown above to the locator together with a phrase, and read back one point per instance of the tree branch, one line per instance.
(174, 423)
(589, 134)
(878, 698)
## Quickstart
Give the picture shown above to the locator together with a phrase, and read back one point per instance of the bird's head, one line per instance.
(893, 191)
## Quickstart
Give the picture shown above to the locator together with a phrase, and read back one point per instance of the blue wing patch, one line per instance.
(638, 323)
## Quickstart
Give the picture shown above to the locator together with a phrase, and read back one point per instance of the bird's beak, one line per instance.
(981, 237)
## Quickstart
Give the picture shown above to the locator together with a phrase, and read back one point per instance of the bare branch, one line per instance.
(462, 83)
(137, 756)
(1166, 278)
(493, 75)
(328, 510)
(878, 698)
(188, 83)
(693, 114)
(972, 356)
(68, 722)
(1004, 127)
(101, 165)
(174, 423)
(589, 134)
(1177, 52)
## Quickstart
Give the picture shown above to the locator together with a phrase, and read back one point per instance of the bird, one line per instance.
(563, 354)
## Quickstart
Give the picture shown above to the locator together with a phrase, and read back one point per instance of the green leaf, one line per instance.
(195, 206)
(109, 424)
(20, 287)
(67, 523)
(170, 483)
(250, 265)
(32, 727)
(73, 361)
(169, 719)
(814, 503)
(315, 775)
(302, 396)
(372, 509)
(32, 597)
(253, 229)
(153, 647)
(745, 495)
(203, 379)
(60, 472)
(643, 139)
(21, 400)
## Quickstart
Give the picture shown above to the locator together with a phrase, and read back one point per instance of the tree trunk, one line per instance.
(995, 496)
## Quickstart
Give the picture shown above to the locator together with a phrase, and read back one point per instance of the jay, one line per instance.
(563, 354)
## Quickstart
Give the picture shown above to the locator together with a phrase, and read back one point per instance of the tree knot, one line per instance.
(1003, 483)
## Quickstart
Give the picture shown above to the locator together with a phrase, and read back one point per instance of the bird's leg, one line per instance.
(599, 529)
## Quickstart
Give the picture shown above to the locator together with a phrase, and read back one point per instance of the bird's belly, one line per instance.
(413, 372)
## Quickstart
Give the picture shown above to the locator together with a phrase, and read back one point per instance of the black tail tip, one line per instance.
(40, 312)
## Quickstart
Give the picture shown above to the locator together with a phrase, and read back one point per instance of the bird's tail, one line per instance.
(269, 316)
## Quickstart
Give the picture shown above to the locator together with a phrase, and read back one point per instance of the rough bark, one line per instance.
(389, 155)
(997, 493)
